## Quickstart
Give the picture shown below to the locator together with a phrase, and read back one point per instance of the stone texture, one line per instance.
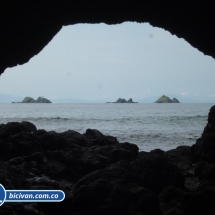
(204, 149)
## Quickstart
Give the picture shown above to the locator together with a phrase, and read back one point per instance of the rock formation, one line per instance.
(28, 100)
(39, 100)
(42, 100)
(119, 100)
(99, 175)
(166, 99)
(28, 26)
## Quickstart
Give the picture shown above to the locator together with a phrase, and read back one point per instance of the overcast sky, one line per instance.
(102, 63)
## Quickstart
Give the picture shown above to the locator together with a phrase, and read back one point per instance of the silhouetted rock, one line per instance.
(156, 172)
(181, 156)
(176, 201)
(171, 201)
(204, 149)
(113, 190)
(30, 126)
(206, 173)
(99, 175)
(49, 19)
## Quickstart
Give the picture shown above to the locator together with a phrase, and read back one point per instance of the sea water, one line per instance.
(150, 126)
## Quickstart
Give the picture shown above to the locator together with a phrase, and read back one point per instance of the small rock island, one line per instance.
(166, 99)
(40, 99)
(120, 100)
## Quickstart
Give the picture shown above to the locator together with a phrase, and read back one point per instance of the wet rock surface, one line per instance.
(99, 175)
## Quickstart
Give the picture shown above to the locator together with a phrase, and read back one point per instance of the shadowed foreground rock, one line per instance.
(99, 175)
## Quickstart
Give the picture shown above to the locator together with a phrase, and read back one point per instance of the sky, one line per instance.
(100, 62)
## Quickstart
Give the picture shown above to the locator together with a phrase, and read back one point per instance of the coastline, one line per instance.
(99, 175)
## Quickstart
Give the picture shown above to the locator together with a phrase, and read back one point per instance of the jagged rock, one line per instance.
(30, 126)
(206, 173)
(52, 141)
(21, 208)
(171, 201)
(26, 32)
(73, 137)
(176, 201)
(95, 137)
(99, 175)
(93, 133)
(156, 172)
(9, 178)
(199, 202)
(204, 149)
(113, 190)
(11, 128)
(18, 144)
(181, 156)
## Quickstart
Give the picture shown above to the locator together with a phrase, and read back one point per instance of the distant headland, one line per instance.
(31, 100)
(166, 99)
(123, 101)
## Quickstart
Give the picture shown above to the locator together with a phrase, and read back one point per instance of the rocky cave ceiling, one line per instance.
(27, 26)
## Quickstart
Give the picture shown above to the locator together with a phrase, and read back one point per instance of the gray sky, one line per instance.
(102, 63)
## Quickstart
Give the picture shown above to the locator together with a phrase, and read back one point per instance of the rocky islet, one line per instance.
(120, 100)
(40, 99)
(166, 99)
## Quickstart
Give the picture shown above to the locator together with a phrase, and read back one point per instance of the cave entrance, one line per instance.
(99, 63)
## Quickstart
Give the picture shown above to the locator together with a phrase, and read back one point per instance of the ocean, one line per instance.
(150, 126)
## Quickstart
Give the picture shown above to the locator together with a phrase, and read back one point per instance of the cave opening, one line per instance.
(100, 63)
(99, 174)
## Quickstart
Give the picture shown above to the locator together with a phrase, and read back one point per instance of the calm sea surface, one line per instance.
(150, 126)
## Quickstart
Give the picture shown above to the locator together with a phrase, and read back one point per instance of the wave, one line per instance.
(32, 118)
(120, 118)
(65, 119)
(187, 117)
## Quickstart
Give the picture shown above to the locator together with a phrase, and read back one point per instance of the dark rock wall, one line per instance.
(26, 27)
(101, 176)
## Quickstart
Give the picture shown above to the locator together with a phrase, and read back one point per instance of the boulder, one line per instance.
(30, 126)
(99, 175)
(181, 156)
(113, 190)
(156, 172)
(204, 149)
